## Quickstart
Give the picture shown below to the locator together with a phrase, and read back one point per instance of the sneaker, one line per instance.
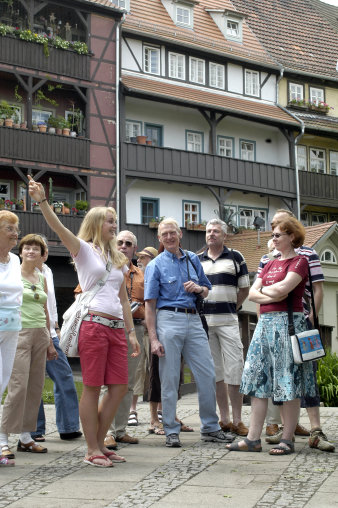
(319, 440)
(218, 437)
(173, 441)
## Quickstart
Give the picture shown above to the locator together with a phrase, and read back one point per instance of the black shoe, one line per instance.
(218, 437)
(70, 435)
(173, 441)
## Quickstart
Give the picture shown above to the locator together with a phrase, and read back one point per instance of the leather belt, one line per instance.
(179, 309)
(137, 321)
(111, 323)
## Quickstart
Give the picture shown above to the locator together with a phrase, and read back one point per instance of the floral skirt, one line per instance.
(269, 369)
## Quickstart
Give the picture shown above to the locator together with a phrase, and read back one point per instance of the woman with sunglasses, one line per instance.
(25, 387)
(102, 342)
(269, 369)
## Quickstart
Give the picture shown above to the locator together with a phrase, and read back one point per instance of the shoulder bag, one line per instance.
(199, 299)
(74, 315)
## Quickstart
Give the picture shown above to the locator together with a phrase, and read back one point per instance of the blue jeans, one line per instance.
(181, 333)
(65, 396)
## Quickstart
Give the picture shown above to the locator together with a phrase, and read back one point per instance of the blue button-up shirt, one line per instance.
(164, 278)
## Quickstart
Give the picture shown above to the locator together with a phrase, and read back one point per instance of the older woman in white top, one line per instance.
(102, 342)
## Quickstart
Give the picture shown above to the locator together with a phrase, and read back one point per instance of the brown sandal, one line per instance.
(6, 452)
(185, 428)
(31, 447)
(156, 429)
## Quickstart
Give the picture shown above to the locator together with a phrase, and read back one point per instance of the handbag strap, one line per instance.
(290, 313)
(291, 326)
(315, 317)
(100, 283)
(188, 258)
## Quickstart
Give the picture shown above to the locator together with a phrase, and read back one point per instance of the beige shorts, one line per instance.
(227, 351)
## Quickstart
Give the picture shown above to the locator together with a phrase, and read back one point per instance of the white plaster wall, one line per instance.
(268, 92)
(235, 78)
(128, 62)
(328, 313)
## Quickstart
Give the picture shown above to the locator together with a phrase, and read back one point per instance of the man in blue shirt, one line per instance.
(171, 284)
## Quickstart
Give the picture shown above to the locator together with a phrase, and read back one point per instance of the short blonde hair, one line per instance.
(7, 216)
(169, 221)
(91, 231)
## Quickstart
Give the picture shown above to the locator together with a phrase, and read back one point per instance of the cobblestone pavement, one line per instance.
(196, 474)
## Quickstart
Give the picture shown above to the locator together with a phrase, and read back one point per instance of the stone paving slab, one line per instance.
(195, 475)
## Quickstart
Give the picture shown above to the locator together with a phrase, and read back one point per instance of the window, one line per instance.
(334, 163)
(316, 95)
(191, 212)
(317, 160)
(328, 257)
(233, 28)
(154, 134)
(38, 115)
(252, 83)
(247, 217)
(296, 92)
(304, 218)
(149, 209)
(194, 141)
(76, 120)
(151, 59)
(216, 75)
(247, 150)
(133, 129)
(176, 66)
(183, 16)
(197, 71)
(5, 190)
(301, 158)
(225, 146)
(333, 217)
(318, 218)
(124, 4)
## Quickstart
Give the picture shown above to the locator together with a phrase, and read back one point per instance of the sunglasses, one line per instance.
(278, 235)
(127, 243)
(36, 295)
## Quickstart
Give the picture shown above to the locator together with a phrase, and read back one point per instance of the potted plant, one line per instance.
(20, 204)
(16, 123)
(65, 127)
(58, 206)
(81, 207)
(297, 103)
(141, 140)
(8, 204)
(42, 126)
(66, 208)
(196, 226)
(53, 124)
(73, 210)
(154, 222)
(319, 107)
(35, 206)
(6, 113)
(2, 203)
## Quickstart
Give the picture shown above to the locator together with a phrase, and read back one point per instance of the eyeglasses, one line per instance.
(127, 243)
(36, 295)
(278, 235)
(11, 229)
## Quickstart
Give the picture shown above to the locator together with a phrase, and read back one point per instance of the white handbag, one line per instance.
(307, 346)
(74, 315)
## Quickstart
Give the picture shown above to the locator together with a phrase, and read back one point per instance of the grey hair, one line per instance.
(218, 222)
(134, 239)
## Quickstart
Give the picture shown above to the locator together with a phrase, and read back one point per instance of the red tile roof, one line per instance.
(196, 96)
(149, 17)
(295, 33)
(247, 242)
(319, 122)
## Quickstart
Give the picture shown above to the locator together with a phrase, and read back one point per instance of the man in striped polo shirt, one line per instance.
(227, 271)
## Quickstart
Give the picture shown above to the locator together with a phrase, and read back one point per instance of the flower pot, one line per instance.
(13, 207)
(2, 121)
(36, 208)
(72, 134)
(51, 130)
(81, 213)
(42, 128)
(57, 209)
(2, 206)
(16, 125)
(35, 128)
(149, 142)
(133, 139)
(153, 225)
(141, 140)
(8, 122)
(19, 207)
(23, 125)
(58, 131)
(66, 131)
(65, 210)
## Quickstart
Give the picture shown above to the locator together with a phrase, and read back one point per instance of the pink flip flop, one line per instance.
(90, 461)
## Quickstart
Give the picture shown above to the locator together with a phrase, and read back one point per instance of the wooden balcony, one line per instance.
(318, 188)
(21, 53)
(182, 166)
(38, 147)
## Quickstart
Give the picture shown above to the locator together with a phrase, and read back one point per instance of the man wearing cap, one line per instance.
(143, 258)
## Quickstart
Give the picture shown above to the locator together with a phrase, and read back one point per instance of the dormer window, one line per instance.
(181, 11)
(229, 22)
(184, 16)
(328, 257)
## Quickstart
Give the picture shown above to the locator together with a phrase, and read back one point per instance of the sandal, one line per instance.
(159, 415)
(184, 427)
(6, 452)
(31, 447)
(249, 446)
(113, 457)
(90, 461)
(6, 462)
(132, 420)
(39, 438)
(156, 429)
(283, 450)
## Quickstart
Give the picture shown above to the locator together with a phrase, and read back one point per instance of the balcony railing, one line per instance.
(316, 187)
(179, 165)
(50, 148)
(29, 54)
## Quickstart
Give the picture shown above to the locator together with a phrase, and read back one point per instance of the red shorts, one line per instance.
(103, 355)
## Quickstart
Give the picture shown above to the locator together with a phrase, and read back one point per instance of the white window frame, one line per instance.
(176, 65)
(5, 195)
(318, 218)
(333, 163)
(332, 258)
(316, 95)
(233, 31)
(189, 215)
(247, 154)
(133, 129)
(195, 143)
(216, 75)
(317, 162)
(184, 16)
(252, 84)
(148, 52)
(40, 115)
(123, 4)
(225, 146)
(296, 92)
(246, 220)
(302, 157)
(196, 70)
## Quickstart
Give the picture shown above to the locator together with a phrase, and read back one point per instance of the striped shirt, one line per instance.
(226, 279)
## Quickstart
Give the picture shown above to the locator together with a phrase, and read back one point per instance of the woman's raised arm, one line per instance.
(69, 240)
